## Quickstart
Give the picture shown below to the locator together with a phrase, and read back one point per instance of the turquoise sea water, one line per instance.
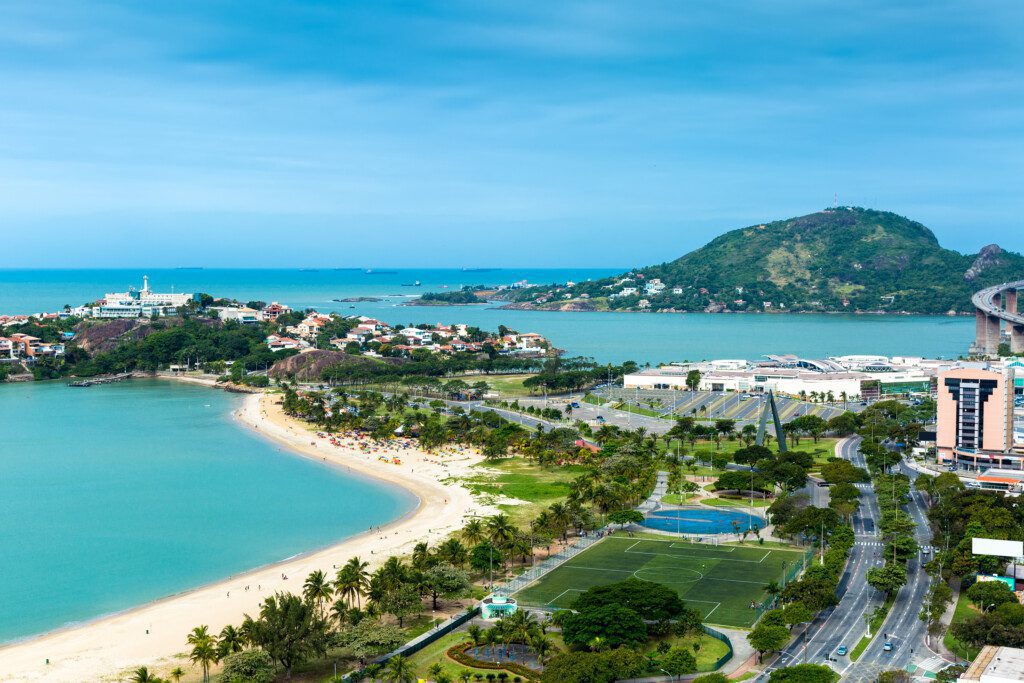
(116, 495)
(607, 337)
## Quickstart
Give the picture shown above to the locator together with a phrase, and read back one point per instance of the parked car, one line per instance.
(841, 651)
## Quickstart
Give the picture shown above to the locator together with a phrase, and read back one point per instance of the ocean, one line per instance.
(606, 337)
(117, 495)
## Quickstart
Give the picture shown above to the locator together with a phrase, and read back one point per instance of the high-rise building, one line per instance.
(975, 417)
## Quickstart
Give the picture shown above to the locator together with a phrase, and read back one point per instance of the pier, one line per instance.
(110, 379)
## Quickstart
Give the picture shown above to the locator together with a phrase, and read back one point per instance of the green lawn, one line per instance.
(435, 652)
(964, 610)
(705, 450)
(683, 499)
(735, 502)
(636, 410)
(507, 386)
(709, 651)
(721, 581)
(523, 480)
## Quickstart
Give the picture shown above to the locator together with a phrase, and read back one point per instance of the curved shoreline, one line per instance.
(153, 634)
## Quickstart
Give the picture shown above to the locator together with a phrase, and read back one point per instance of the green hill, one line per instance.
(844, 259)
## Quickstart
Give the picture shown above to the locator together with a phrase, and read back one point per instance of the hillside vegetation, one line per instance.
(845, 259)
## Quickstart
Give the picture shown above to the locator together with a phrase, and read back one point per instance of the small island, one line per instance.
(462, 297)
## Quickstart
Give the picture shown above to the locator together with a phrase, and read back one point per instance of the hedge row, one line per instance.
(458, 653)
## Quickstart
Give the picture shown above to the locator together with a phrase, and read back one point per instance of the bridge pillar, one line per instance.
(1016, 338)
(980, 330)
(1010, 300)
(992, 334)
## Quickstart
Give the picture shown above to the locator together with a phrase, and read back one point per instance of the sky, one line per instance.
(618, 134)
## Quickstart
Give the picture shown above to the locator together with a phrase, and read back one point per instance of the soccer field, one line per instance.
(719, 580)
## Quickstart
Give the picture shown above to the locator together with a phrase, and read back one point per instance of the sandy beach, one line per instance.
(154, 634)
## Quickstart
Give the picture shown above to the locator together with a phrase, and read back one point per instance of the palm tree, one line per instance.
(474, 633)
(473, 532)
(398, 670)
(500, 530)
(340, 611)
(230, 641)
(352, 580)
(204, 649)
(561, 518)
(142, 675)
(317, 589)
(542, 645)
(421, 555)
(521, 546)
(452, 552)
(490, 638)
(176, 673)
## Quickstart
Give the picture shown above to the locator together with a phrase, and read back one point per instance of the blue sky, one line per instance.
(494, 134)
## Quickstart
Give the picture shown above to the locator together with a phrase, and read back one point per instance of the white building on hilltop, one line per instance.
(140, 303)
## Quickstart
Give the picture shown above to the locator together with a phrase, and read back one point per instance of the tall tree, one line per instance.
(290, 630)
(204, 649)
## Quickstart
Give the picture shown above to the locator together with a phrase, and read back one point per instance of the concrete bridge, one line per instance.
(993, 306)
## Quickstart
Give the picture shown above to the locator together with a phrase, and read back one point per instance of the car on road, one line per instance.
(841, 651)
(574, 405)
(822, 483)
(599, 418)
(888, 646)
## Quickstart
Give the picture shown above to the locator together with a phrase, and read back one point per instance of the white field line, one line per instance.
(682, 546)
(709, 602)
(699, 557)
(567, 590)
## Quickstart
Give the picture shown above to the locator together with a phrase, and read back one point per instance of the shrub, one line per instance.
(711, 678)
(250, 666)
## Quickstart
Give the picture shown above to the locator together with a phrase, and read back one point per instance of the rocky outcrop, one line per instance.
(988, 257)
(309, 366)
(96, 337)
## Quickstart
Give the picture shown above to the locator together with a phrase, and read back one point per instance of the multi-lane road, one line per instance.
(846, 623)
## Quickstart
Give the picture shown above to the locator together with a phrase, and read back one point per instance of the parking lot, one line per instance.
(718, 405)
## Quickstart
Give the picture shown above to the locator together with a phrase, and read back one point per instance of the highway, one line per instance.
(846, 623)
(843, 624)
(905, 630)
(984, 301)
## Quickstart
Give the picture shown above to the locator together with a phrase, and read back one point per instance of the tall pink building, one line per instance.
(975, 418)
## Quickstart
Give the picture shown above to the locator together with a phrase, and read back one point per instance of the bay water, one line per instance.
(112, 496)
(606, 337)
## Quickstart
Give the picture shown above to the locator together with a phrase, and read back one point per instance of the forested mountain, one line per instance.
(842, 259)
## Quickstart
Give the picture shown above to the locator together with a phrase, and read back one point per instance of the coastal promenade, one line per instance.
(154, 634)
